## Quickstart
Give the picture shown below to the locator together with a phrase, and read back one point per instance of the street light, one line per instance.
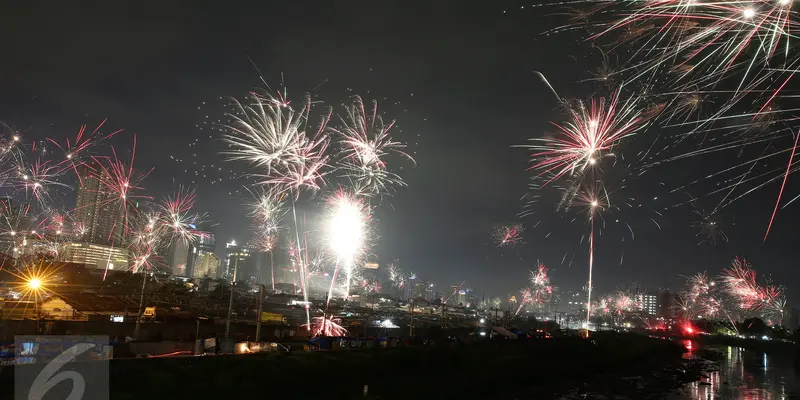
(35, 284)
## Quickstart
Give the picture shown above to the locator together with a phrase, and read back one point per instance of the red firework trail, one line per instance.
(73, 149)
(454, 292)
(783, 185)
(118, 179)
(526, 298)
(508, 235)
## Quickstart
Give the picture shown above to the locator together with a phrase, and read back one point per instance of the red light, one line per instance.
(689, 330)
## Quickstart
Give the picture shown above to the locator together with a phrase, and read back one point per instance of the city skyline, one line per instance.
(461, 107)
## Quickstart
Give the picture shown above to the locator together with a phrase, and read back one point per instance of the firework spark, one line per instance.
(366, 143)
(327, 326)
(272, 136)
(508, 235)
(177, 215)
(347, 231)
(710, 226)
(740, 283)
(587, 137)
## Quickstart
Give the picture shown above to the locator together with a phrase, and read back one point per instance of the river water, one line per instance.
(744, 374)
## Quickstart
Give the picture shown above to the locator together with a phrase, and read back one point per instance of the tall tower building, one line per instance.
(205, 265)
(98, 210)
(452, 297)
(237, 258)
(200, 263)
(666, 302)
(420, 289)
(647, 303)
(177, 257)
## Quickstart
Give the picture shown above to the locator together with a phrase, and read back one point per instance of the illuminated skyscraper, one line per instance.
(420, 289)
(177, 256)
(97, 256)
(647, 303)
(452, 296)
(461, 300)
(98, 210)
(237, 259)
(206, 264)
(200, 252)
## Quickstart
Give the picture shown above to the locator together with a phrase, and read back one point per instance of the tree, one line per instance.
(754, 327)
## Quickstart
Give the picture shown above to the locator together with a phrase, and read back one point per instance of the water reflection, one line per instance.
(745, 374)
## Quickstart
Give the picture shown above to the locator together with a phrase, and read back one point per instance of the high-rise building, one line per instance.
(370, 270)
(572, 303)
(461, 298)
(666, 303)
(206, 264)
(236, 259)
(430, 295)
(177, 256)
(98, 210)
(205, 243)
(452, 296)
(647, 303)
(14, 217)
(421, 289)
(97, 256)
(260, 264)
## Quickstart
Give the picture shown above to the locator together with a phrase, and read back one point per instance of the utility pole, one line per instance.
(230, 302)
(411, 328)
(36, 310)
(258, 314)
(141, 307)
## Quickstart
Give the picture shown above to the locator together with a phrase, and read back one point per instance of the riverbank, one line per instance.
(766, 346)
(488, 369)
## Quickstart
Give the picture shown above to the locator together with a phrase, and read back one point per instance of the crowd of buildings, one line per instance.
(94, 234)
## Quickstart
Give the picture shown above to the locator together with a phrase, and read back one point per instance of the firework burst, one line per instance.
(740, 283)
(327, 326)
(273, 136)
(178, 219)
(508, 235)
(76, 149)
(587, 137)
(347, 231)
(710, 226)
(267, 211)
(366, 143)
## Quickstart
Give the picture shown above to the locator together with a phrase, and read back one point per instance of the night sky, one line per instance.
(459, 78)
